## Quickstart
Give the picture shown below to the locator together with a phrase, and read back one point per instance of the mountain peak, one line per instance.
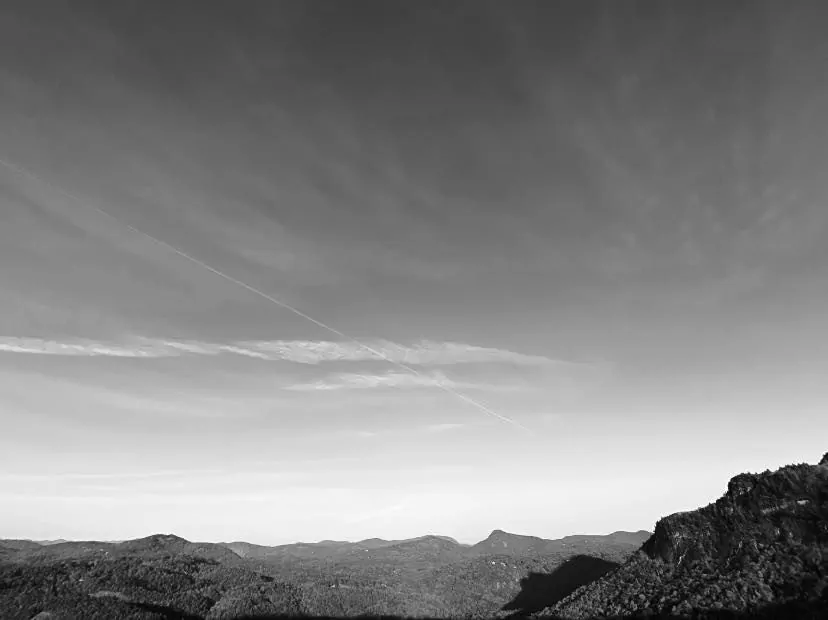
(160, 540)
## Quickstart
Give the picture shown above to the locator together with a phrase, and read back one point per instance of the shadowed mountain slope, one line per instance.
(541, 590)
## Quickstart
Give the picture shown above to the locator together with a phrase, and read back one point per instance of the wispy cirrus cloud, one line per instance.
(360, 381)
(386, 432)
(140, 475)
(423, 353)
(444, 427)
(80, 348)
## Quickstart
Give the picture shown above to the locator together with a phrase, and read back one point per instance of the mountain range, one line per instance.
(429, 547)
(759, 551)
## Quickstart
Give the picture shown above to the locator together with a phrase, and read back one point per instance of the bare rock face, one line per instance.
(757, 509)
(741, 484)
(677, 538)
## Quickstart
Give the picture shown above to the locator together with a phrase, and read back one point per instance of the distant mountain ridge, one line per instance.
(422, 548)
(504, 543)
(156, 545)
(498, 542)
(335, 549)
(426, 576)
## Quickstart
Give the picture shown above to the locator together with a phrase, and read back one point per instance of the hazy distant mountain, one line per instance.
(422, 548)
(504, 543)
(763, 544)
(374, 543)
(11, 548)
(501, 542)
(305, 550)
(157, 545)
(19, 545)
(436, 548)
(432, 549)
(175, 545)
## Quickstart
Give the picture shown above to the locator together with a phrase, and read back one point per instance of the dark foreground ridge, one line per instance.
(760, 551)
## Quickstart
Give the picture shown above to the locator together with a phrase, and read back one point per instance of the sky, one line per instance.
(301, 270)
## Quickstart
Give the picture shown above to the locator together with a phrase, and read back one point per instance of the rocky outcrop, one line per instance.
(763, 543)
(757, 509)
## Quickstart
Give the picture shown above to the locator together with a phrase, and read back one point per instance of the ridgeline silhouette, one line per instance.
(760, 551)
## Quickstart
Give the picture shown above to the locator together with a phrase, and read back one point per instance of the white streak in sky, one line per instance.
(262, 294)
(77, 348)
(355, 381)
(50, 477)
(424, 353)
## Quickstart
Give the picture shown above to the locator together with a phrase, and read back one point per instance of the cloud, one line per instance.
(403, 431)
(298, 351)
(444, 427)
(83, 348)
(359, 381)
(130, 475)
(425, 352)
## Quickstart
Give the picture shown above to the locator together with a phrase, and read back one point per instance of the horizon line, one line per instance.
(47, 541)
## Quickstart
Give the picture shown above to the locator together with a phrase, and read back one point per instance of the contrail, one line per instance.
(448, 389)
